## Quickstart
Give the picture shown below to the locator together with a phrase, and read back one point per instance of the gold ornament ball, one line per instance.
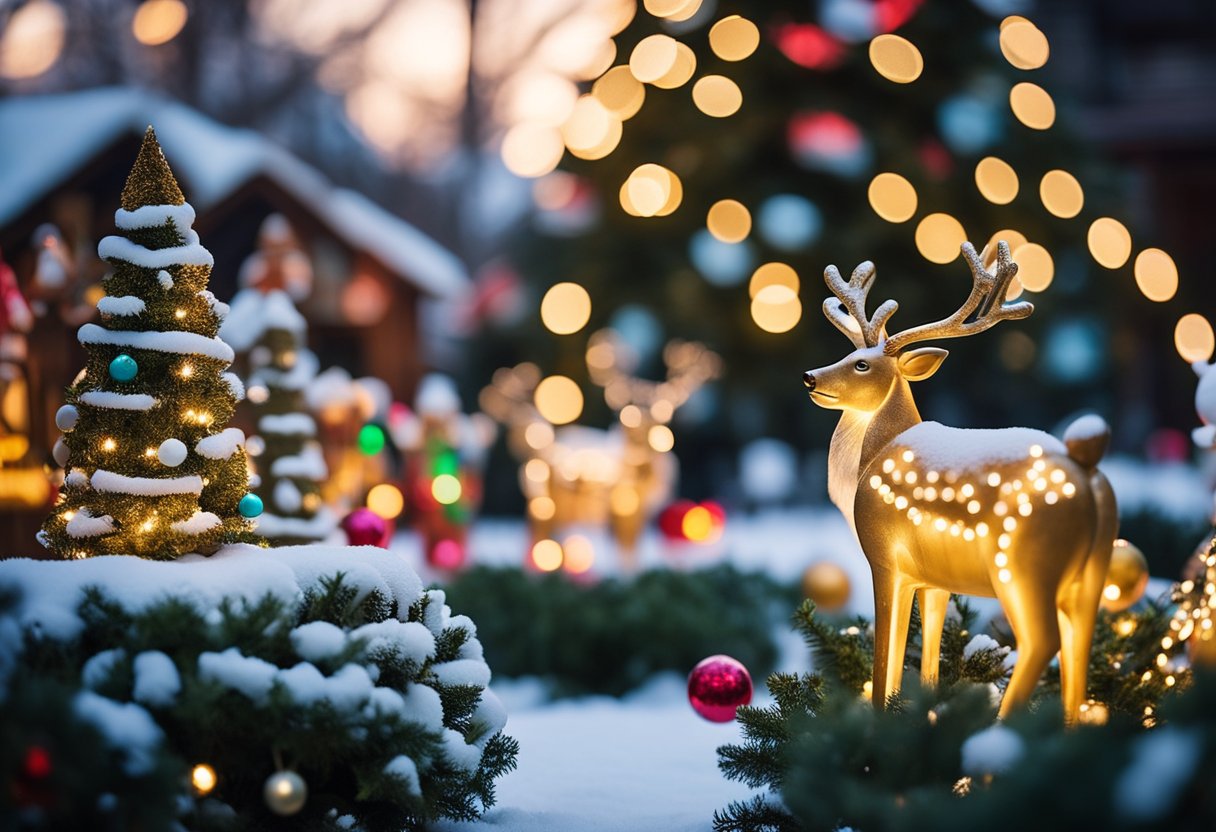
(827, 585)
(285, 792)
(1126, 579)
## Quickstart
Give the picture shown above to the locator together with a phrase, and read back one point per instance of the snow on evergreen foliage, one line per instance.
(332, 658)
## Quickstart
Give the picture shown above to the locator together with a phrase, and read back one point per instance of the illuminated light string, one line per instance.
(945, 495)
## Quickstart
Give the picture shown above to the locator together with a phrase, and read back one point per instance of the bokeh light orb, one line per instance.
(892, 197)
(939, 238)
(1156, 274)
(734, 38)
(565, 308)
(559, 399)
(729, 221)
(386, 500)
(1193, 338)
(1109, 242)
(896, 59)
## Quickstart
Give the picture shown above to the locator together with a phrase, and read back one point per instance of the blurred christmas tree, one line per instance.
(777, 134)
(150, 469)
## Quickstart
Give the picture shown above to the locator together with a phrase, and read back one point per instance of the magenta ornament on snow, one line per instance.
(717, 686)
(364, 527)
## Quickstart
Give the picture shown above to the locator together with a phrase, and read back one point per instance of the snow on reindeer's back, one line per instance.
(938, 447)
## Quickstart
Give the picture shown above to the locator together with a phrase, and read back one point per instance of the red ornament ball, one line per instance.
(364, 527)
(717, 686)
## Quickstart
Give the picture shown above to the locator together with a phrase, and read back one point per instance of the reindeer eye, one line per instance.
(861, 366)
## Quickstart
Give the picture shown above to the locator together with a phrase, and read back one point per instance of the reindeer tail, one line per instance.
(1087, 439)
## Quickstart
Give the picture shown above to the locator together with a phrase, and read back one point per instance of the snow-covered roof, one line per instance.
(45, 139)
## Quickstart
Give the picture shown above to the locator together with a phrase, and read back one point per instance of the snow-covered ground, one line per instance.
(645, 763)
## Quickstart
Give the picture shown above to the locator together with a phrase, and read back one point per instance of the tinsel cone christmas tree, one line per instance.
(288, 457)
(151, 469)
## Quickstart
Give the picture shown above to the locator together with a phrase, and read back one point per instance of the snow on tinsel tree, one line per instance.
(288, 457)
(151, 469)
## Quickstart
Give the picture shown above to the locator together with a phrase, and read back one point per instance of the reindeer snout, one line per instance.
(808, 378)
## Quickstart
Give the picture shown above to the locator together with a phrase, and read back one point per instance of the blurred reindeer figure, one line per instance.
(580, 476)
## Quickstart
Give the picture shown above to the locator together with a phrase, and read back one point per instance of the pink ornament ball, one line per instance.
(364, 527)
(717, 686)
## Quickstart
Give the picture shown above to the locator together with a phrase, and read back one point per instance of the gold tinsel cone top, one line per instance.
(151, 182)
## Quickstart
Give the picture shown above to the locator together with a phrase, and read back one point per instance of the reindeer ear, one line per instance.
(919, 364)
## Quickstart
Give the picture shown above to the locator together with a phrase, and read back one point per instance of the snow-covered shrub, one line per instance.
(330, 662)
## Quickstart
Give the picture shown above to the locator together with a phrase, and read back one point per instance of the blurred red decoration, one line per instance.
(1168, 445)
(364, 527)
(935, 158)
(37, 764)
(826, 140)
(889, 15)
(671, 520)
(717, 686)
(809, 46)
(691, 522)
(446, 554)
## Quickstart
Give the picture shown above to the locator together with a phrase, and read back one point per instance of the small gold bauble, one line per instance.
(827, 585)
(1126, 579)
(285, 792)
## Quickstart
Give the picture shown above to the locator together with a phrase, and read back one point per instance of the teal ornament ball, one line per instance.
(250, 506)
(123, 368)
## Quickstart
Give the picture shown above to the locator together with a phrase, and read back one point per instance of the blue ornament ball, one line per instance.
(123, 368)
(250, 506)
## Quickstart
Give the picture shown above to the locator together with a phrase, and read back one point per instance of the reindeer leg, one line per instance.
(933, 603)
(1032, 615)
(892, 609)
(1078, 604)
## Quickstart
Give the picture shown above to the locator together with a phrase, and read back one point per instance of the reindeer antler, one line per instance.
(984, 308)
(689, 366)
(847, 308)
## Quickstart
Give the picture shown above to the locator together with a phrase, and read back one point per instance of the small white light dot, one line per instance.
(910, 478)
(1069, 489)
(1000, 509)
(1004, 541)
(940, 524)
(994, 479)
(901, 503)
(1001, 559)
(1005, 575)
(875, 481)
(1036, 450)
(930, 493)
(888, 466)
(947, 493)
(1025, 509)
(909, 456)
(982, 529)
(1051, 498)
(1010, 524)
(973, 507)
(967, 490)
(932, 476)
(1057, 476)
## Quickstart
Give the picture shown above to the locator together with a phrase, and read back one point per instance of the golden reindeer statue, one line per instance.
(1011, 513)
(581, 476)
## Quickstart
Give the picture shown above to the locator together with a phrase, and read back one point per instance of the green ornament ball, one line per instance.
(123, 368)
(250, 506)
